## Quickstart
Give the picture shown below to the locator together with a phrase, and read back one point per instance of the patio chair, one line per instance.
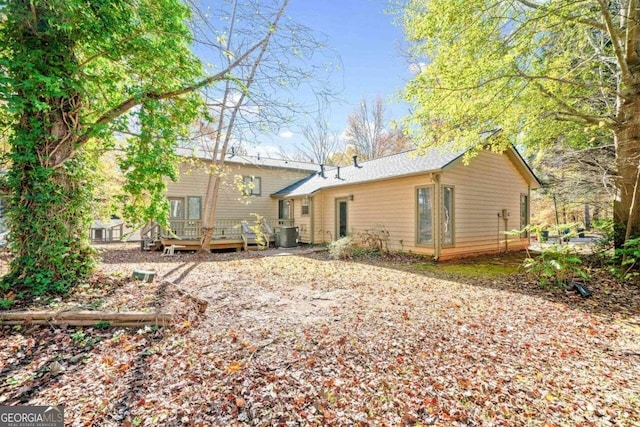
(249, 236)
(270, 236)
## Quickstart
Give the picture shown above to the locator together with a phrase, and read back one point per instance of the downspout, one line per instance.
(312, 208)
(506, 228)
(528, 218)
(437, 202)
(321, 197)
(498, 234)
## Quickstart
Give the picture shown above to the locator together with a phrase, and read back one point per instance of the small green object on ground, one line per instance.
(145, 276)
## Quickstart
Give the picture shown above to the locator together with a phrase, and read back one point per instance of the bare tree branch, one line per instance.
(132, 102)
(632, 32)
(617, 43)
(542, 6)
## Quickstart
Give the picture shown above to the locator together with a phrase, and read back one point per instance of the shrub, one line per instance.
(342, 248)
(605, 229)
(628, 258)
(556, 265)
(373, 240)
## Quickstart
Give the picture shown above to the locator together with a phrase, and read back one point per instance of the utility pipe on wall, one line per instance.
(437, 227)
(504, 214)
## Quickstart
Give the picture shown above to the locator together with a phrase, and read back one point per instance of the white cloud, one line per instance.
(287, 134)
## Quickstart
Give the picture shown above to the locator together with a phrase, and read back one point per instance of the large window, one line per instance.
(252, 185)
(176, 208)
(425, 216)
(524, 214)
(194, 207)
(447, 216)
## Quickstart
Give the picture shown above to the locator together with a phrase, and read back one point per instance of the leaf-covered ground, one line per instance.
(298, 339)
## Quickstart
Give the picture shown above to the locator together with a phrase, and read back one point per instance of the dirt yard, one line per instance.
(293, 338)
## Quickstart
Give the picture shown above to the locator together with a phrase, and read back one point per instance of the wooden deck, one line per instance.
(184, 235)
(194, 245)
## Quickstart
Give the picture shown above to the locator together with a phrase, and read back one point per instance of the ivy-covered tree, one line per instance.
(542, 71)
(72, 74)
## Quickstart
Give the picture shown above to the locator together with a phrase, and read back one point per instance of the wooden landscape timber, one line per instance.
(73, 317)
(200, 303)
(85, 318)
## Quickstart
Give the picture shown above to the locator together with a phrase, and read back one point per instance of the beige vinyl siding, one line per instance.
(382, 205)
(483, 188)
(231, 204)
(303, 221)
(317, 209)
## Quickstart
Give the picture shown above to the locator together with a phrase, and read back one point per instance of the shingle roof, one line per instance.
(397, 165)
(274, 163)
(254, 160)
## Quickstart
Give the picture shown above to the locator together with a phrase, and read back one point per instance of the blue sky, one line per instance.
(368, 43)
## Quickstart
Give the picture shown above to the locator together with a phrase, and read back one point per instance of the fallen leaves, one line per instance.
(233, 367)
(311, 341)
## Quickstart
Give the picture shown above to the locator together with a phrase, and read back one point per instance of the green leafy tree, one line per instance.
(544, 72)
(72, 74)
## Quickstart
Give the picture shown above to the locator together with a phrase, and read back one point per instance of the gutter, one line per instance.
(351, 183)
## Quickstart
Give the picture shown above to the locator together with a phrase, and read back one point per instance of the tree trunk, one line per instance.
(50, 191)
(209, 217)
(49, 209)
(587, 216)
(627, 138)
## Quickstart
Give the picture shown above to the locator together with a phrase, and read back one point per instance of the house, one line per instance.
(433, 204)
(246, 185)
(111, 230)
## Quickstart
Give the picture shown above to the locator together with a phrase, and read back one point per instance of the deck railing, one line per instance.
(189, 229)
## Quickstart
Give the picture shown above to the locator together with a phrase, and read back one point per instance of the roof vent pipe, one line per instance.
(338, 173)
(355, 161)
(322, 170)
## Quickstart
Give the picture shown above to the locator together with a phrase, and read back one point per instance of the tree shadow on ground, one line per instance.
(41, 365)
(136, 256)
(38, 365)
(610, 298)
(131, 254)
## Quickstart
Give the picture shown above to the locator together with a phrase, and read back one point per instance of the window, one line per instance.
(194, 207)
(425, 217)
(341, 217)
(252, 185)
(176, 208)
(285, 211)
(524, 214)
(305, 206)
(447, 216)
